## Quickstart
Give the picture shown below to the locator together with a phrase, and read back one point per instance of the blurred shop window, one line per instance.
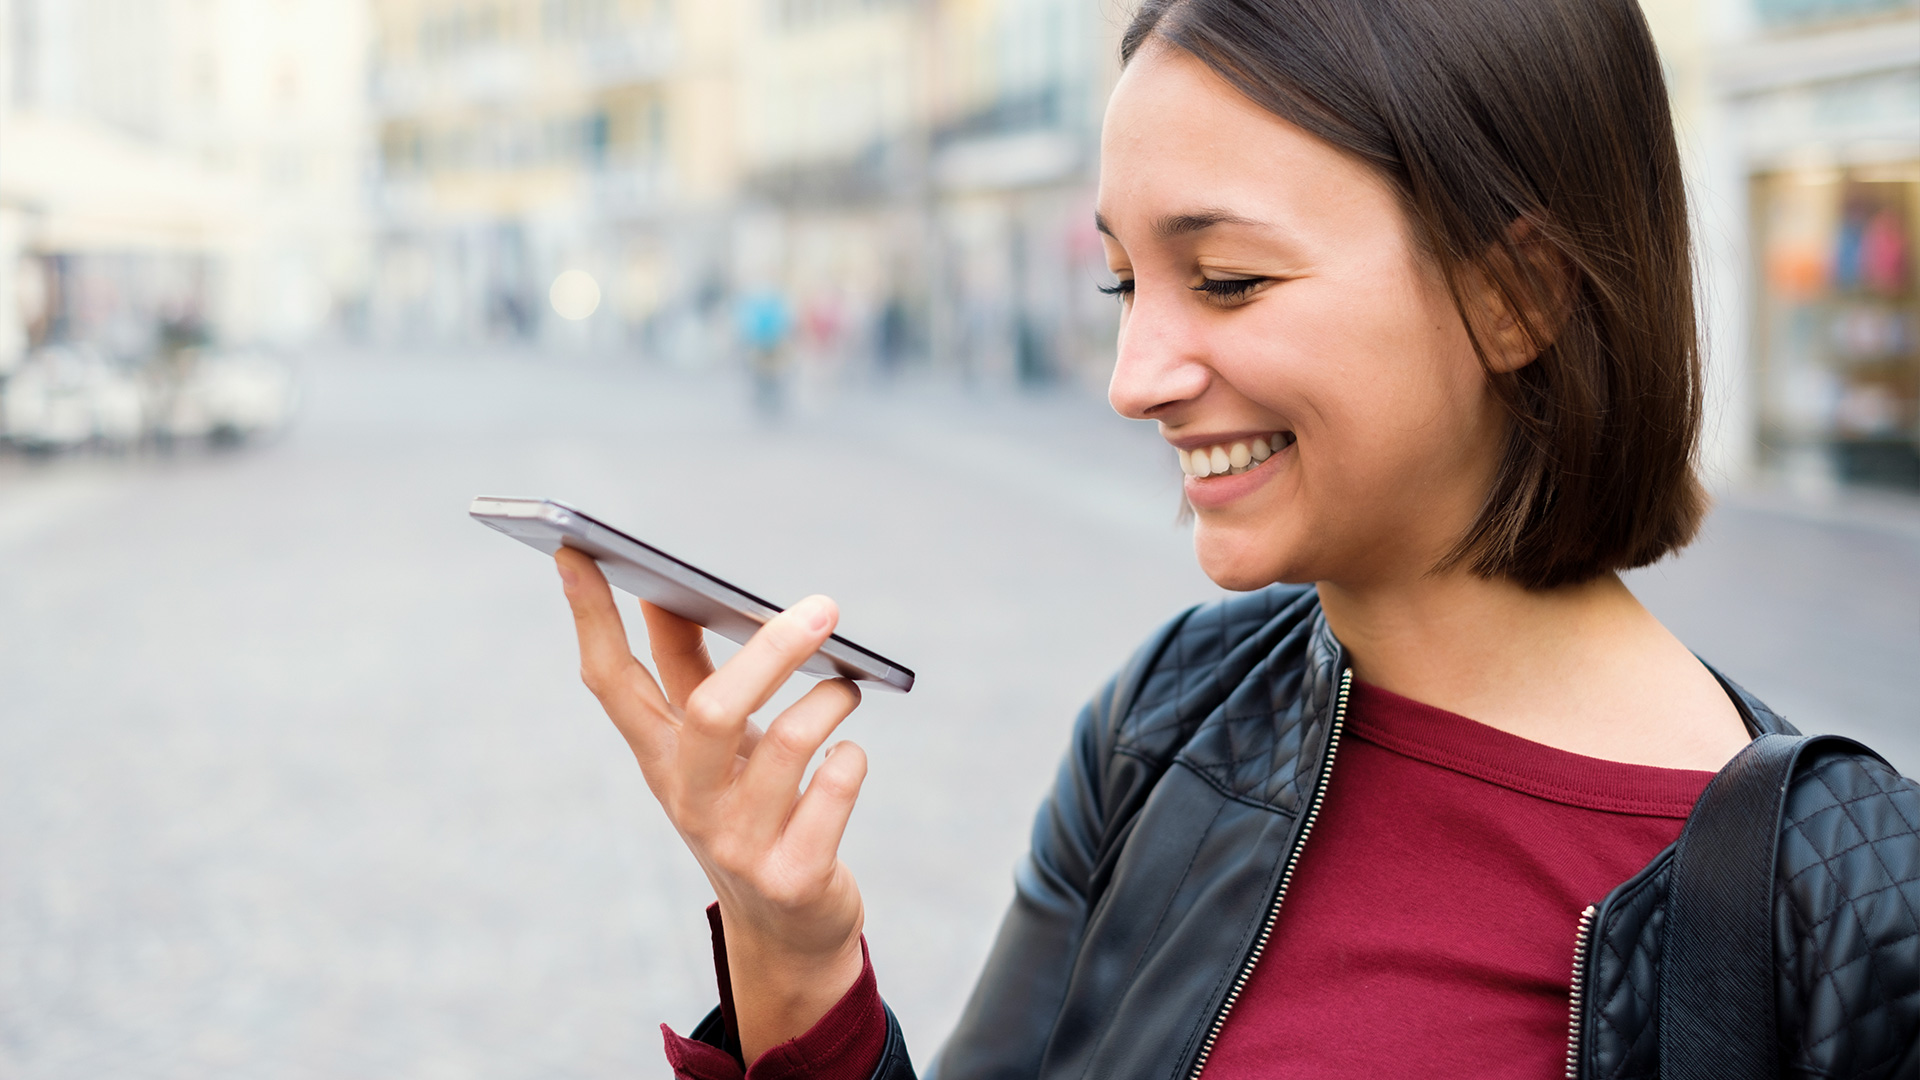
(1798, 12)
(1840, 322)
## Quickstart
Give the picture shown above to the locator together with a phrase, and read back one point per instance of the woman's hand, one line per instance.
(791, 908)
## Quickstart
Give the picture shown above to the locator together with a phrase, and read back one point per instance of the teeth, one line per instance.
(1231, 459)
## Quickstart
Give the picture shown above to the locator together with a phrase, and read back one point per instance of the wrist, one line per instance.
(780, 991)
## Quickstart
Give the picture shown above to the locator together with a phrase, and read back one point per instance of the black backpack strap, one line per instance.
(1716, 970)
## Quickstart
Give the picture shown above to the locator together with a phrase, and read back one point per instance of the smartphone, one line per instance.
(679, 586)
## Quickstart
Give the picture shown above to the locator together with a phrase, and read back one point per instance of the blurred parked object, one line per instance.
(221, 397)
(69, 397)
(63, 398)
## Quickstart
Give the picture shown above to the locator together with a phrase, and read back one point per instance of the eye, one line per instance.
(1121, 288)
(1229, 289)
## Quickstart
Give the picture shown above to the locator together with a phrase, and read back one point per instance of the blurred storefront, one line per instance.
(174, 166)
(1839, 362)
(1823, 97)
(180, 188)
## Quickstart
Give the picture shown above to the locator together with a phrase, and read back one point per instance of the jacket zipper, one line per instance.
(1286, 878)
(1577, 993)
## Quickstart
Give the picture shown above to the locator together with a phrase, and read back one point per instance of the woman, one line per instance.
(1406, 287)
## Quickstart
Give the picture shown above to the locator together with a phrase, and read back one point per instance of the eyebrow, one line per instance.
(1181, 224)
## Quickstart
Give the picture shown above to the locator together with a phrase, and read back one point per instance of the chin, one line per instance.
(1241, 562)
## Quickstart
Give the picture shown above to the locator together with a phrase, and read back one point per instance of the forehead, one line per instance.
(1178, 140)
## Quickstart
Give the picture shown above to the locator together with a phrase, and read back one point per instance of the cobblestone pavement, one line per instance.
(297, 780)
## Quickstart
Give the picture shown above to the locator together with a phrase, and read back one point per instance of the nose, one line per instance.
(1161, 360)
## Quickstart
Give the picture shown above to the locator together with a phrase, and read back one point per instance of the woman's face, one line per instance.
(1278, 320)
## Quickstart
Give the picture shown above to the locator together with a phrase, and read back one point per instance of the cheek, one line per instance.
(1360, 366)
(1397, 430)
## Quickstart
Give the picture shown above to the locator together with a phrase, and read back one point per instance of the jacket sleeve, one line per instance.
(1847, 921)
(1003, 1033)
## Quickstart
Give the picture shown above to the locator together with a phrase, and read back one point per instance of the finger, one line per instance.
(715, 715)
(622, 685)
(819, 819)
(679, 650)
(772, 778)
(771, 656)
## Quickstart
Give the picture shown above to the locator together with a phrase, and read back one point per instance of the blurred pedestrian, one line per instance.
(1407, 288)
(890, 335)
(764, 319)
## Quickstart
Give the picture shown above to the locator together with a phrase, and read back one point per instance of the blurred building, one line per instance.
(1014, 166)
(178, 170)
(1801, 122)
(912, 179)
(522, 139)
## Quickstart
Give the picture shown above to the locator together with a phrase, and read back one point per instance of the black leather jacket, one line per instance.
(1162, 857)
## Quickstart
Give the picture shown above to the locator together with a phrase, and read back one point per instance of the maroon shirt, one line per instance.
(1432, 917)
(1431, 920)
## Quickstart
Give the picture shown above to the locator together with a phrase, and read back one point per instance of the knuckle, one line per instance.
(788, 741)
(837, 784)
(703, 710)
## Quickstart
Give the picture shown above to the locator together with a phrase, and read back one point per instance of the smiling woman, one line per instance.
(1406, 288)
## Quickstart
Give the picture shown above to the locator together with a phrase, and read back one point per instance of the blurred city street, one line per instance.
(297, 778)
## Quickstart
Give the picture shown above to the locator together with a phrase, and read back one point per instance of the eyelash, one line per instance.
(1227, 288)
(1214, 288)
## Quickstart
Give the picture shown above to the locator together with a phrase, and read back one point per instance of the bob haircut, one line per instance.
(1530, 144)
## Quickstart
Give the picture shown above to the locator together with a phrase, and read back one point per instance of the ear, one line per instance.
(1523, 296)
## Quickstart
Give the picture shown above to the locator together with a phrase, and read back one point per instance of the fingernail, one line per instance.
(566, 577)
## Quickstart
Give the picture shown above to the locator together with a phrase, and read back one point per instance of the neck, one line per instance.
(1584, 667)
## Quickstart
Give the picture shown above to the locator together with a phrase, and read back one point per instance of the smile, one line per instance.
(1234, 458)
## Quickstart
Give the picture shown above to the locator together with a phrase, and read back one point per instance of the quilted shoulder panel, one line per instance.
(1235, 692)
(1847, 920)
(1211, 650)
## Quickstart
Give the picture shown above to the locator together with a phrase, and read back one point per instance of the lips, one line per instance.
(1233, 457)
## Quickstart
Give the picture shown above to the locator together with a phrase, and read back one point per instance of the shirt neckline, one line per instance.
(1437, 737)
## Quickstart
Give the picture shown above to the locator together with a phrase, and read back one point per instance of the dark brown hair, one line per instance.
(1531, 146)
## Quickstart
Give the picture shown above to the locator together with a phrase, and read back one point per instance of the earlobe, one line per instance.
(1525, 292)
(1508, 345)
